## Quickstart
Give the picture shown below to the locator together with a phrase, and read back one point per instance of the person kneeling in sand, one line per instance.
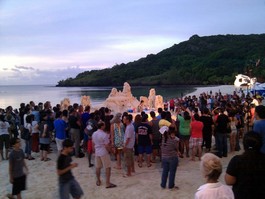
(101, 145)
(67, 183)
(211, 168)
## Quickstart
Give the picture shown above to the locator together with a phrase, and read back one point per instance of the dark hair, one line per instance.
(68, 143)
(100, 124)
(152, 114)
(169, 132)
(186, 115)
(205, 110)
(160, 110)
(13, 141)
(252, 141)
(260, 110)
(58, 114)
(144, 117)
(129, 117)
(29, 118)
(196, 117)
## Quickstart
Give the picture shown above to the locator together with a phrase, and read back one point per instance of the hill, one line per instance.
(208, 60)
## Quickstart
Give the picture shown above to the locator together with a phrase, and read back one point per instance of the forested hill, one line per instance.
(208, 60)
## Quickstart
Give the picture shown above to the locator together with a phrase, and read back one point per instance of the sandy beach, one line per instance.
(42, 180)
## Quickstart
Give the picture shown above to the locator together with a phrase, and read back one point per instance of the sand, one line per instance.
(42, 180)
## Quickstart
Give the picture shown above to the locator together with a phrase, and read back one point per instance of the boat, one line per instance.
(251, 85)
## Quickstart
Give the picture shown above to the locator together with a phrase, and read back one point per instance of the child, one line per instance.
(67, 183)
(16, 168)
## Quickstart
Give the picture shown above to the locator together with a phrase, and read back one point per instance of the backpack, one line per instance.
(90, 128)
(25, 134)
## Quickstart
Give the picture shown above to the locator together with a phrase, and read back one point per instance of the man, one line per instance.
(129, 140)
(67, 183)
(154, 123)
(17, 169)
(222, 123)
(259, 124)
(75, 126)
(60, 127)
(101, 145)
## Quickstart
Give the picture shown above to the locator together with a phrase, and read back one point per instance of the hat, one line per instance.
(163, 129)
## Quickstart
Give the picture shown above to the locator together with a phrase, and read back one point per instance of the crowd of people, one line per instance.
(184, 130)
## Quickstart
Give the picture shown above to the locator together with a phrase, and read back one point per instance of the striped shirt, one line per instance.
(169, 149)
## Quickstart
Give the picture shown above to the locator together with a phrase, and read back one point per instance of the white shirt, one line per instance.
(100, 139)
(129, 133)
(214, 191)
(4, 128)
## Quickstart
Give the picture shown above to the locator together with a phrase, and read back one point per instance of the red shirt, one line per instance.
(196, 129)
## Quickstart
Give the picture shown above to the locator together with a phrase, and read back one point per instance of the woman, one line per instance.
(196, 137)
(117, 131)
(207, 130)
(211, 169)
(28, 142)
(169, 152)
(233, 124)
(184, 132)
(246, 172)
(35, 135)
(44, 137)
(4, 137)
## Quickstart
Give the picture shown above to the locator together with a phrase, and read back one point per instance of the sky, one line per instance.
(43, 42)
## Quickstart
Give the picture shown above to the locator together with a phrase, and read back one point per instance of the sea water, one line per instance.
(14, 95)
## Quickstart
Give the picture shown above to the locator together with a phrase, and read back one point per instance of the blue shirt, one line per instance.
(60, 126)
(259, 127)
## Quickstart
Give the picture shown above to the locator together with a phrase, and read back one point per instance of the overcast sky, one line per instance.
(42, 42)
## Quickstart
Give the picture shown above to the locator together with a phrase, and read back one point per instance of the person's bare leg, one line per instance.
(140, 160)
(108, 171)
(118, 159)
(199, 152)
(98, 176)
(19, 196)
(193, 153)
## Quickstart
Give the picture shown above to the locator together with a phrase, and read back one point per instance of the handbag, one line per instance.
(25, 134)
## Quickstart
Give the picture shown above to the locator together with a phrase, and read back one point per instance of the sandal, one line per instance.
(149, 165)
(98, 183)
(111, 186)
(46, 159)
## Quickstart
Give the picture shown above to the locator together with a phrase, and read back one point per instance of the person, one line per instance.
(17, 168)
(154, 123)
(35, 134)
(207, 130)
(259, 124)
(28, 142)
(246, 172)
(144, 140)
(169, 152)
(196, 137)
(4, 137)
(233, 134)
(222, 123)
(44, 137)
(75, 126)
(117, 130)
(184, 132)
(101, 145)
(211, 169)
(60, 127)
(129, 140)
(67, 183)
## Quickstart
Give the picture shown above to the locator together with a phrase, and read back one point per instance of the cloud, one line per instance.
(24, 67)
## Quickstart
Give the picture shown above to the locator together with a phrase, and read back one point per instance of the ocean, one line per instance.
(14, 95)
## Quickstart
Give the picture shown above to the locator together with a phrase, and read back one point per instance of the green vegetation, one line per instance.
(206, 60)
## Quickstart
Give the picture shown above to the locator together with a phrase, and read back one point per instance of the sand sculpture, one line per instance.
(85, 101)
(120, 101)
(65, 103)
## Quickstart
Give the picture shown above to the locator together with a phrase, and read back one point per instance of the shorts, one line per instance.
(144, 149)
(4, 140)
(156, 144)
(59, 144)
(19, 184)
(44, 147)
(184, 137)
(89, 146)
(71, 187)
(103, 161)
(128, 157)
(195, 142)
